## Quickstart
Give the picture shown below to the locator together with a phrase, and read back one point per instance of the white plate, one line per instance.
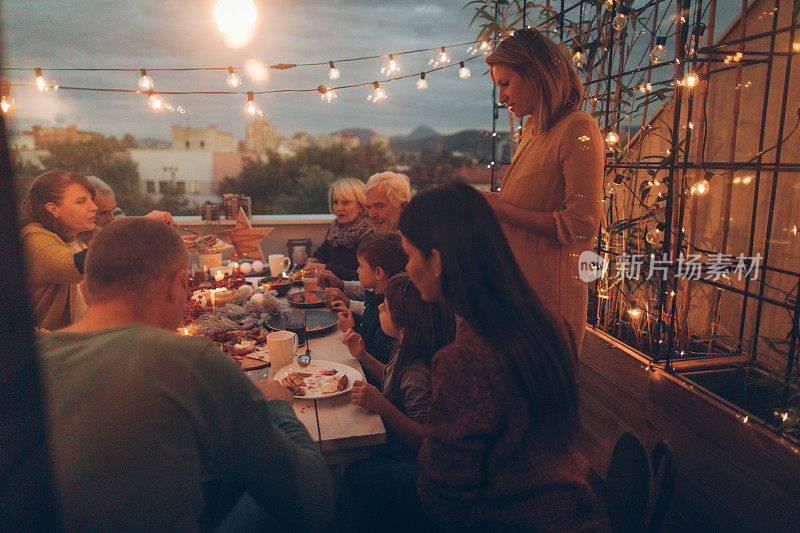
(317, 366)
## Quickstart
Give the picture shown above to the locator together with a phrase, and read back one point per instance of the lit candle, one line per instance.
(212, 302)
(219, 276)
(233, 268)
(186, 331)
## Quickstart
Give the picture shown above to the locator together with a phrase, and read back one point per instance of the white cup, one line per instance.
(278, 263)
(282, 346)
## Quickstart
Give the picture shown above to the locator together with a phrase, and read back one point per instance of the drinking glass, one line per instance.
(294, 320)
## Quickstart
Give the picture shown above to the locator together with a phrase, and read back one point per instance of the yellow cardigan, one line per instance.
(52, 277)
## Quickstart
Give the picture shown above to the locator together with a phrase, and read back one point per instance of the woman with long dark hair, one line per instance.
(550, 200)
(59, 206)
(500, 444)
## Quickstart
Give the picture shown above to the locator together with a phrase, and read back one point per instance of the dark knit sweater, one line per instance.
(376, 343)
(479, 465)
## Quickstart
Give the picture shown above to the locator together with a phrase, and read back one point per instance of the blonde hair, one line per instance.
(348, 189)
(556, 89)
(396, 187)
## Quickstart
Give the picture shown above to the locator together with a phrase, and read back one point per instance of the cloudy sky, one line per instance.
(182, 33)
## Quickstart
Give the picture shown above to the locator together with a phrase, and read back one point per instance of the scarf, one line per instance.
(349, 235)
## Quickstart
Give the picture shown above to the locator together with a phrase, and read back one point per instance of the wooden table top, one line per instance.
(335, 423)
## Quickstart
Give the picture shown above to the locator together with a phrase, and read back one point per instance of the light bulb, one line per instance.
(796, 46)
(40, 83)
(443, 58)
(654, 236)
(422, 83)
(156, 102)
(250, 107)
(392, 65)
(145, 81)
(7, 104)
(329, 95)
(463, 72)
(379, 93)
(701, 187)
(485, 45)
(689, 47)
(634, 312)
(658, 54)
(577, 59)
(333, 73)
(233, 79)
(691, 79)
(612, 138)
(609, 4)
(236, 20)
(612, 187)
(620, 21)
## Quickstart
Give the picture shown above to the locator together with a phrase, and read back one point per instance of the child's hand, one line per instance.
(346, 320)
(338, 306)
(354, 343)
(366, 396)
(332, 294)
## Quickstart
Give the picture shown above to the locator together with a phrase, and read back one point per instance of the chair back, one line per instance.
(628, 485)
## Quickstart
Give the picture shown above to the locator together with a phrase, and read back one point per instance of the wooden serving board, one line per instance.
(252, 364)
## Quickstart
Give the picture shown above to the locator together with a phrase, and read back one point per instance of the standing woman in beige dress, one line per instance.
(550, 200)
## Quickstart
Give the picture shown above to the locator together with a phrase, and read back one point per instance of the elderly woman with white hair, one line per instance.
(347, 202)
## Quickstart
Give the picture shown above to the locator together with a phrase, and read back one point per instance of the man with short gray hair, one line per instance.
(142, 417)
(107, 209)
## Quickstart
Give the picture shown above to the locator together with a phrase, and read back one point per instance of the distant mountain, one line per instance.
(422, 132)
(475, 142)
(364, 134)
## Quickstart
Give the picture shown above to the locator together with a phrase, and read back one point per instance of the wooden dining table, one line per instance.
(344, 431)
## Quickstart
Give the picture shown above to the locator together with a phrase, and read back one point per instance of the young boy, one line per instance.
(380, 256)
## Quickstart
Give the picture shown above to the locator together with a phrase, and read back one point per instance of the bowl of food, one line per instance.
(240, 347)
(307, 299)
(280, 285)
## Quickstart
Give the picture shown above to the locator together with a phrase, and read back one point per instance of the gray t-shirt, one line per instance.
(141, 416)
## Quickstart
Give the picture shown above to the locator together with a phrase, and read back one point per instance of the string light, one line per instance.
(659, 52)
(233, 79)
(333, 73)
(612, 139)
(236, 21)
(327, 94)
(379, 94)
(250, 107)
(145, 81)
(609, 4)
(391, 67)
(40, 83)
(484, 45)
(156, 102)
(463, 72)
(422, 83)
(691, 79)
(795, 46)
(7, 103)
(443, 57)
(577, 57)
(634, 312)
(621, 20)
(700, 187)
(654, 236)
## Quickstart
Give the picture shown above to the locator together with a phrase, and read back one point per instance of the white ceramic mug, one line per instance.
(278, 263)
(282, 346)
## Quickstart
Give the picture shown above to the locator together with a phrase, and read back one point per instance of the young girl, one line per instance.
(421, 328)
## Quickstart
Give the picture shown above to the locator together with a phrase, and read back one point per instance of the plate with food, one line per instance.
(317, 321)
(307, 299)
(280, 285)
(248, 348)
(205, 244)
(320, 379)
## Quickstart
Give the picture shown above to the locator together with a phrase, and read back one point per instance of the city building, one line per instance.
(379, 140)
(350, 140)
(43, 136)
(261, 136)
(300, 140)
(208, 139)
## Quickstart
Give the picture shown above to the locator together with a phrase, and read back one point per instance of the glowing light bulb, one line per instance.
(612, 187)
(620, 21)
(333, 73)
(443, 57)
(156, 102)
(577, 59)
(145, 81)
(236, 20)
(691, 79)
(463, 72)
(634, 312)
(796, 46)
(609, 4)
(689, 47)
(233, 79)
(250, 107)
(701, 187)
(40, 83)
(422, 83)
(391, 67)
(654, 236)
(658, 54)
(485, 45)
(329, 95)
(612, 138)
(379, 93)
(7, 104)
